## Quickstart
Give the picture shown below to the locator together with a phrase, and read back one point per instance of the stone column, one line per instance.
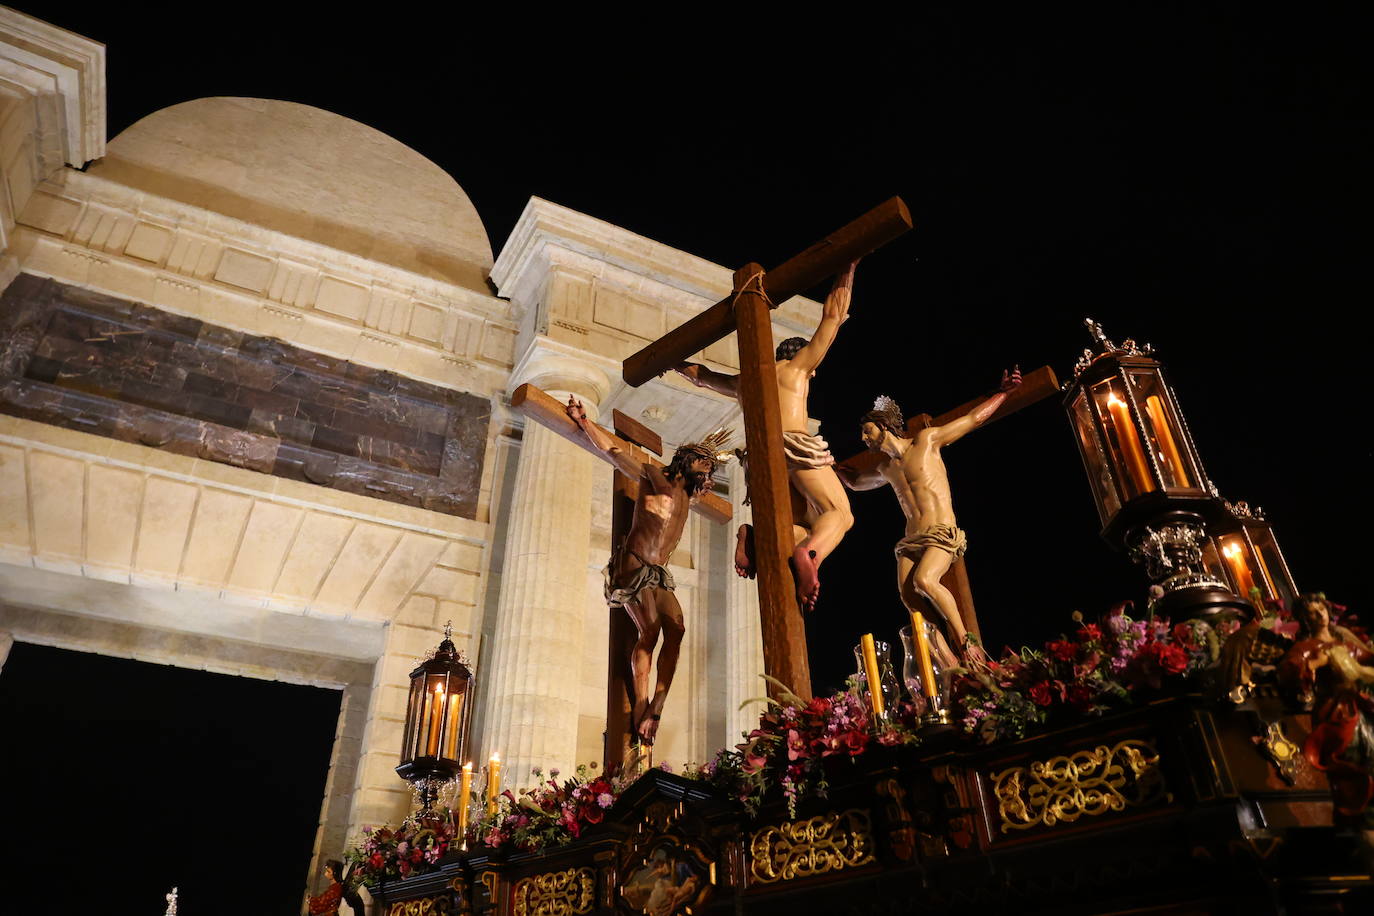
(534, 666)
(744, 630)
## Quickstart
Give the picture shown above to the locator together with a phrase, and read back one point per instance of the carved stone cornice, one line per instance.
(63, 64)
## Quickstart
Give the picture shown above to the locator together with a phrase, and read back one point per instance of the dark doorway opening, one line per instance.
(120, 779)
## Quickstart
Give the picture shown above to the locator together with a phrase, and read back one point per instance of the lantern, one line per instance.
(1249, 556)
(436, 721)
(1147, 481)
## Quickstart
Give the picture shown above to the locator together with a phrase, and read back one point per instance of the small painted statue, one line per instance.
(1328, 669)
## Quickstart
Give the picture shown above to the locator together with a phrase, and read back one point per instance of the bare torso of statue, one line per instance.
(919, 480)
(659, 518)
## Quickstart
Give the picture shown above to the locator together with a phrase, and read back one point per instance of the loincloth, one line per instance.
(948, 538)
(650, 575)
(804, 451)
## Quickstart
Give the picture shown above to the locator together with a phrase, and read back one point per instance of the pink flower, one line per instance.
(605, 799)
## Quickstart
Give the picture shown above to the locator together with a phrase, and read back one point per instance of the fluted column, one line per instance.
(745, 642)
(535, 664)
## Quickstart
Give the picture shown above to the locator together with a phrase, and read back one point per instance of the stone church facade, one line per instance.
(255, 367)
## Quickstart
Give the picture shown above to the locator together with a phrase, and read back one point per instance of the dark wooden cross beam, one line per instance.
(636, 439)
(1035, 386)
(746, 311)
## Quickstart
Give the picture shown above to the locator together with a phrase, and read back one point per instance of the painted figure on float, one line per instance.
(637, 577)
(820, 506)
(916, 472)
(1329, 668)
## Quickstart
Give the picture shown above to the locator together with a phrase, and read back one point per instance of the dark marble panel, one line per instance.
(129, 371)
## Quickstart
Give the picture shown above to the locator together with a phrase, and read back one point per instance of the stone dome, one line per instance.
(311, 174)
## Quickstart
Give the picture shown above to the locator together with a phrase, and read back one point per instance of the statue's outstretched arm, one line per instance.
(709, 379)
(624, 461)
(835, 313)
(957, 429)
(871, 479)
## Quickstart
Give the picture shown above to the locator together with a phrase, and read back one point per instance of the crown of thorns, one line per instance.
(714, 447)
(885, 412)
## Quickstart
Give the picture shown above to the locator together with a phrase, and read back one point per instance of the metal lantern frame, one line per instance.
(438, 715)
(1248, 554)
(1148, 482)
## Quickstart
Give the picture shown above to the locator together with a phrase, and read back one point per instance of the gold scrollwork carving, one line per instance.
(813, 846)
(1085, 782)
(556, 893)
(424, 906)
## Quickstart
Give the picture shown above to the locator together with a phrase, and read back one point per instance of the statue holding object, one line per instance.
(1328, 669)
(916, 472)
(820, 504)
(637, 576)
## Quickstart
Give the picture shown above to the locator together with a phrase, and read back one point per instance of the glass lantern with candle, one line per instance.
(437, 714)
(928, 680)
(1250, 557)
(874, 660)
(1147, 480)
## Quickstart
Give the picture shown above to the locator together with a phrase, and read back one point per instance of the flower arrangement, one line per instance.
(793, 739)
(415, 847)
(550, 813)
(1088, 674)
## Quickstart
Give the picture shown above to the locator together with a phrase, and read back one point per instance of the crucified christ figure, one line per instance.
(637, 577)
(915, 470)
(822, 506)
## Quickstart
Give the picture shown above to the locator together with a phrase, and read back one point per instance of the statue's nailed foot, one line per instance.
(973, 655)
(744, 552)
(648, 729)
(808, 575)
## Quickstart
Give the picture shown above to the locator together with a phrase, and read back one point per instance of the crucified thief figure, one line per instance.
(915, 470)
(820, 502)
(637, 577)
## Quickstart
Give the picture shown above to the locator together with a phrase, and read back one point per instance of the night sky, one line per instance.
(1198, 179)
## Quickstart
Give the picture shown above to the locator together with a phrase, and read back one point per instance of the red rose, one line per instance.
(1172, 659)
(1041, 694)
(1062, 649)
(1183, 635)
(1081, 696)
(593, 813)
(1089, 632)
(376, 861)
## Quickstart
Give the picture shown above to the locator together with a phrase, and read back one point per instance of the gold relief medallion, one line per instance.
(556, 893)
(1091, 783)
(813, 846)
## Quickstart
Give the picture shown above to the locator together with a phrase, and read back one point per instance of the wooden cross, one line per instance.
(746, 311)
(1035, 386)
(635, 439)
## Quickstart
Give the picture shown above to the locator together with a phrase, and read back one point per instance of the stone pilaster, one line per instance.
(745, 635)
(533, 669)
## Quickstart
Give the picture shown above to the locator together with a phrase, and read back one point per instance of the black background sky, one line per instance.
(1197, 177)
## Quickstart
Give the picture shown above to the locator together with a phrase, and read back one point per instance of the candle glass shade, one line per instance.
(437, 714)
(1250, 558)
(888, 692)
(932, 701)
